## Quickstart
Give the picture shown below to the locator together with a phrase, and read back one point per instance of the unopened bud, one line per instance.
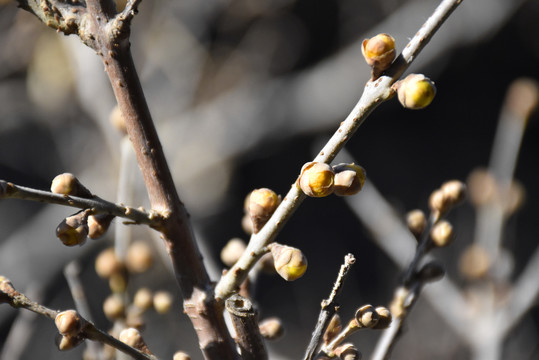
(475, 262)
(379, 52)
(438, 202)
(180, 355)
(143, 298)
(454, 191)
(262, 204)
(68, 322)
(114, 307)
(442, 234)
(73, 230)
(117, 120)
(271, 328)
(98, 225)
(232, 251)
(107, 264)
(384, 318)
(317, 179)
(333, 329)
(416, 91)
(347, 351)
(289, 262)
(68, 184)
(367, 316)
(416, 222)
(139, 257)
(349, 179)
(133, 338)
(67, 342)
(162, 302)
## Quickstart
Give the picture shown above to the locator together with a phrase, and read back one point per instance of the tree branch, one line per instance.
(374, 94)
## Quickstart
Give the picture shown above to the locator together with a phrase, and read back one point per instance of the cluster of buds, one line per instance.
(74, 229)
(449, 195)
(320, 179)
(366, 317)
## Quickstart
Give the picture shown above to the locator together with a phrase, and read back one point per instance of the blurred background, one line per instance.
(243, 93)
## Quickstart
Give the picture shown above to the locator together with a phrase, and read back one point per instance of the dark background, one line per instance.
(243, 94)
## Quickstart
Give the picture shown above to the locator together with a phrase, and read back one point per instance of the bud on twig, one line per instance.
(73, 230)
(415, 92)
(271, 328)
(416, 222)
(442, 234)
(98, 225)
(162, 302)
(348, 351)
(289, 262)
(68, 184)
(139, 257)
(317, 179)
(262, 204)
(430, 272)
(68, 322)
(349, 179)
(379, 52)
(232, 251)
(366, 316)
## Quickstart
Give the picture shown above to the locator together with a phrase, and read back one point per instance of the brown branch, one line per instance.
(245, 320)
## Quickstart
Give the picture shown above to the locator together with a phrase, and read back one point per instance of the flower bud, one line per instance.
(430, 272)
(118, 282)
(289, 262)
(416, 91)
(107, 264)
(317, 179)
(482, 187)
(262, 204)
(442, 234)
(67, 342)
(68, 184)
(143, 298)
(384, 318)
(133, 338)
(139, 257)
(379, 52)
(68, 322)
(347, 351)
(271, 328)
(367, 316)
(475, 262)
(180, 355)
(416, 222)
(232, 251)
(454, 191)
(114, 307)
(73, 230)
(349, 179)
(438, 202)
(162, 302)
(98, 225)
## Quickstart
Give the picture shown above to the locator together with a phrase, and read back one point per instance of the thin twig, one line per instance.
(97, 205)
(329, 308)
(374, 94)
(8, 294)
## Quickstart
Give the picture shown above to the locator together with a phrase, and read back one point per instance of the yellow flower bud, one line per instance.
(317, 179)
(143, 298)
(289, 262)
(442, 234)
(107, 264)
(454, 191)
(73, 230)
(379, 51)
(349, 179)
(416, 91)
(114, 307)
(416, 222)
(262, 204)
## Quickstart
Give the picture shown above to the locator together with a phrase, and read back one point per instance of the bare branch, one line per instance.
(374, 94)
(96, 204)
